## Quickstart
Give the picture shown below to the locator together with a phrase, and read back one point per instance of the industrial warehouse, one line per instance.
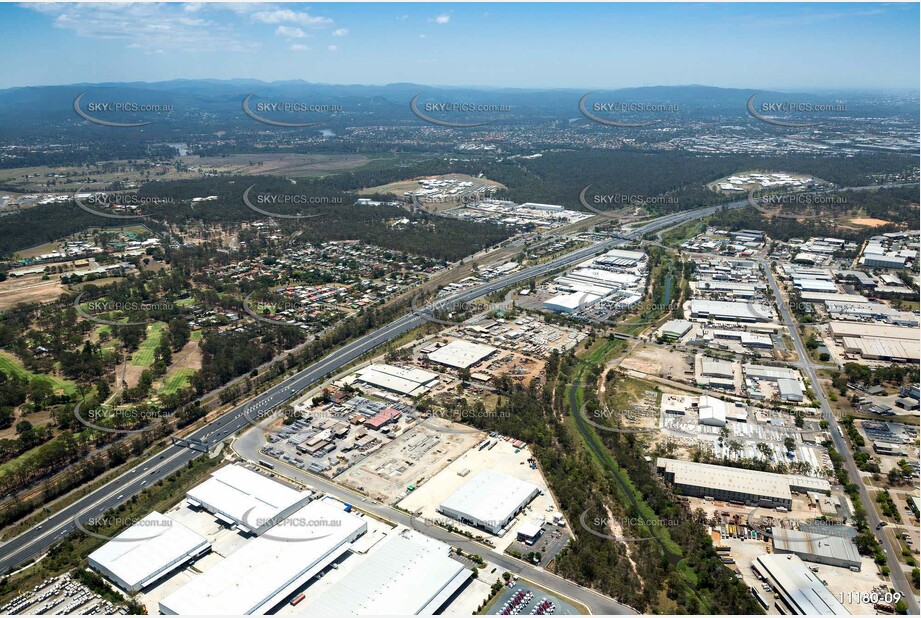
(736, 484)
(819, 548)
(147, 551)
(489, 501)
(246, 500)
(802, 593)
(268, 569)
(424, 582)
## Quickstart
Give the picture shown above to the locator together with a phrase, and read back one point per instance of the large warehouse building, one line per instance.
(407, 381)
(820, 548)
(461, 354)
(145, 552)
(802, 593)
(410, 574)
(489, 501)
(878, 341)
(267, 570)
(730, 311)
(737, 484)
(246, 500)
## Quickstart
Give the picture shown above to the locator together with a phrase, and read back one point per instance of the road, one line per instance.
(33, 543)
(249, 444)
(899, 580)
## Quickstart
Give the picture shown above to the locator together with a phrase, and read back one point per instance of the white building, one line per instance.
(148, 550)
(490, 501)
(246, 500)
(801, 591)
(267, 570)
(407, 381)
(461, 354)
(409, 575)
(712, 411)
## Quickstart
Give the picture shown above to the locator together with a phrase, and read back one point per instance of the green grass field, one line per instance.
(144, 357)
(176, 380)
(11, 365)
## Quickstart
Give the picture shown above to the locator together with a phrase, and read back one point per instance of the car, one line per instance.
(119, 496)
(880, 525)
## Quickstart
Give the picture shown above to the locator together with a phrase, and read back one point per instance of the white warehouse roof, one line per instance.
(490, 500)
(246, 499)
(410, 574)
(801, 589)
(403, 380)
(731, 311)
(461, 354)
(146, 551)
(262, 573)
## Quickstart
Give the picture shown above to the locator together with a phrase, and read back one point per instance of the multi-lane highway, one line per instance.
(33, 543)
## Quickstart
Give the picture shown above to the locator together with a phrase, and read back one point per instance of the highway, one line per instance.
(899, 580)
(35, 542)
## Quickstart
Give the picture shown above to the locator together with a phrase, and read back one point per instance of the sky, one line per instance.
(777, 46)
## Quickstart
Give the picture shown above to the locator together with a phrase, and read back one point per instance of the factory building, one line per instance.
(675, 329)
(409, 575)
(819, 548)
(406, 381)
(246, 500)
(802, 593)
(264, 572)
(736, 484)
(730, 311)
(711, 411)
(489, 501)
(145, 552)
(461, 354)
(570, 302)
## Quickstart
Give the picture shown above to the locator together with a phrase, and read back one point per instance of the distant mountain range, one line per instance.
(27, 105)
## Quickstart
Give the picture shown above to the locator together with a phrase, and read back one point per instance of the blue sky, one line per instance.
(778, 46)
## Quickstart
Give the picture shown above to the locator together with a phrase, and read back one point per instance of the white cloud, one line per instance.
(341, 32)
(299, 47)
(148, 26)
(333, 48)
(279, 16)
(290, 32)
(442, 19)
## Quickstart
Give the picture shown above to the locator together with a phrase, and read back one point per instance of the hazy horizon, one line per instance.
(816, 47)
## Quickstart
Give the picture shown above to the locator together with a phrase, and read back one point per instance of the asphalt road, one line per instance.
(249, 444)
(33, 543)
(899, 580)
(36, 541)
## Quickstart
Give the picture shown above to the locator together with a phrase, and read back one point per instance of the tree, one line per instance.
(789, 443)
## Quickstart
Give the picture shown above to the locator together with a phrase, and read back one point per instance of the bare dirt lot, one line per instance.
(410, 459)
(29, 289)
